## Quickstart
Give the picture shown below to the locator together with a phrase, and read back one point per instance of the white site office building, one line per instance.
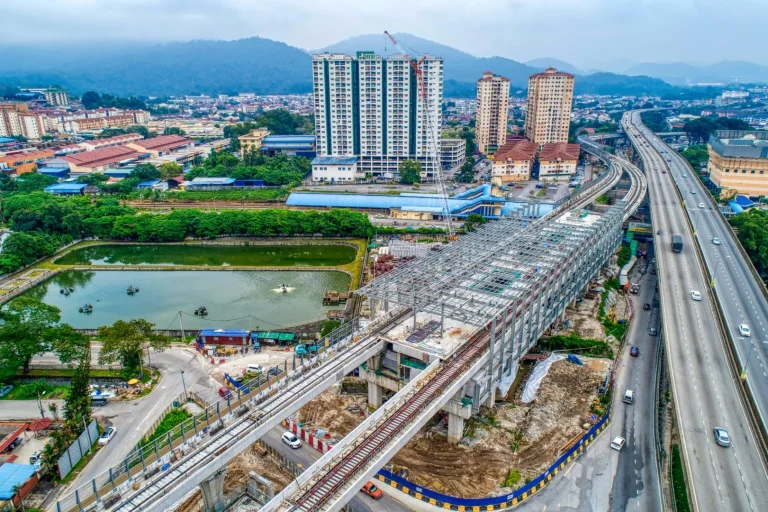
(368, 106)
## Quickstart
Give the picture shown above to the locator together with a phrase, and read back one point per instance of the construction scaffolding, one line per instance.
(474, 280)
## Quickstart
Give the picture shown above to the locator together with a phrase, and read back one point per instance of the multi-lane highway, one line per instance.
(704, 388)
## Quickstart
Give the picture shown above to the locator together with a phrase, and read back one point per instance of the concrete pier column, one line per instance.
(455, 428)
(213, 492)
(374, 396)
(491, 400)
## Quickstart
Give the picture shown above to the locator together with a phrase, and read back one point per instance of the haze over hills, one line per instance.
(679, 73)
(265, 66)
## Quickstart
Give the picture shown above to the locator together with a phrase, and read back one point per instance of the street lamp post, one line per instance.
(714, 274)
(40, 404)
(746, 365)
(184, 384)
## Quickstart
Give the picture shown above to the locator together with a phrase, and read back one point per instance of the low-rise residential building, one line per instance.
(334, 169)
(291, 145)
(117, 140)
(162, 145)
(738, 160)
(20, 162)
(513, 161)
(100, 160)
(558, 161)
(453, 153)
(252, 141)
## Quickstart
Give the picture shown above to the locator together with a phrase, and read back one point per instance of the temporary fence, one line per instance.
(80, 448)
(313, 441)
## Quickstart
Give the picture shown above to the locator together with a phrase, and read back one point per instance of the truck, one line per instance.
(677, 243)
(305, 349)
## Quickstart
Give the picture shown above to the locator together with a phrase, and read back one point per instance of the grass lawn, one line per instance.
(678, 480)
(171, 420)
(193, 196)
(30, 391)
(68, 373)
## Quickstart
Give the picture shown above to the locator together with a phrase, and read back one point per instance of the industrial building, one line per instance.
(550, 98)
(290, 145)
(100, 160)
(492, 112)
(368, 106)
(738, 160)
(162, 145)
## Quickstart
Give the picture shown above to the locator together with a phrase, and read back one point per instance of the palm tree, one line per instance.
(54, 410)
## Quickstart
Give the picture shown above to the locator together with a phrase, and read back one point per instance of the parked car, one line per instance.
(107, 436)
(291, 440)
(721, 437)
(371, 490)
(13, 444)
(695, 295)
(634, 352)
(36, 458)
(744, 330)
(5, 390)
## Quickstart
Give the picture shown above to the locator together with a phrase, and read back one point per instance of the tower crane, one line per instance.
(432, 128)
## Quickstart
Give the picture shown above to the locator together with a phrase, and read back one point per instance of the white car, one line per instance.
(618, 443)
(744, 330)
(715, 241)
(685, 175)
(291, 440)
(107, 436)
(701, 205)
(693, 192)
(695, 295)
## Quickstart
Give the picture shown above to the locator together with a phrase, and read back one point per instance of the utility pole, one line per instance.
(181, 323)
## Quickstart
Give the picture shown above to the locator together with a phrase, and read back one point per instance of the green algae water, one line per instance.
(228, 296)
(212, 255)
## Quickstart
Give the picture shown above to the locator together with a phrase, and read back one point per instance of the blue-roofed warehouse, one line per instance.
(210, 183)
(291, 145)
(67, 189)
(412, 206)
(16, 481)
(224, 336)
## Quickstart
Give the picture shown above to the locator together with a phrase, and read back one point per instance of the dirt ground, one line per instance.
(527, 438)
(237, 476)
(333, 412)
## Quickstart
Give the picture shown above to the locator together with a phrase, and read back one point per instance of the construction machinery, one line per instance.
(432, 136)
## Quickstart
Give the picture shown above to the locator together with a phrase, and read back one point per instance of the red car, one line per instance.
(371, 490)
(634, 352)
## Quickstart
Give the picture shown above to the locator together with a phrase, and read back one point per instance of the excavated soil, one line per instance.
(335, 413)
(526, 438)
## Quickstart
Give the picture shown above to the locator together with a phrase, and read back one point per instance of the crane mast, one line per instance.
(432, 138)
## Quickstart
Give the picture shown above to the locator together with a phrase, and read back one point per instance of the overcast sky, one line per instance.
(583, 32)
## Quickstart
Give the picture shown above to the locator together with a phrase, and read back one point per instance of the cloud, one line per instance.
(582, 31)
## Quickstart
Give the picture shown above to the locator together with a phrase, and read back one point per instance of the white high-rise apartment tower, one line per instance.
(368, 106)
(492, 112)
(548, 116)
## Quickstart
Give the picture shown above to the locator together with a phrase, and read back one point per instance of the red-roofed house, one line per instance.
(557, 161)
(161, 145)
(20, 162)
(117, 140)
(513, 161)
(100, 160)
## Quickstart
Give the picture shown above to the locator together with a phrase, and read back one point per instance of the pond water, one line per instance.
(212, 255)
(229, 296)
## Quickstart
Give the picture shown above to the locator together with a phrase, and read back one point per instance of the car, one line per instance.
(685, 175)
(224, 392)
(291, 440)
(629, 396)
(634, 351)
(618, 443)
(721, 437)
(371, 490)
(701, 205)
(695, 295)
(744, 330)
(693, 192)
(36, 458)
(653, 332)
(715, 241)
(5, 390)
(646, 307)
(107, 436)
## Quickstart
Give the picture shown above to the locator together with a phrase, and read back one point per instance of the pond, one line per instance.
(212, 255)
(234, 299)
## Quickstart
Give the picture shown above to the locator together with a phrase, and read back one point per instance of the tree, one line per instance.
(31, 181)
(91, 100)
(699, 130)
(27, 328)
(169, 170)
(77, 407)
(473, 220)
(125, 342)
(145, 172)
(410, 172)
(467, 172)
(174, 130)
(752, 231)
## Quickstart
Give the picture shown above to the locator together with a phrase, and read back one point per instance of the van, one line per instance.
(629, 397)
(617, 443)
(225, 392)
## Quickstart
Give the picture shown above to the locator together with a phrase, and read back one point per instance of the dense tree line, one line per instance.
(698, 130)
(275, 171)
(278, 122)
(92, 100)
(752, 227)
(655, 121)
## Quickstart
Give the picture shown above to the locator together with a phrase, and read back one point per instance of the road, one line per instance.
(602, 478)
(133, 418)
(704, 391)
(306, 456)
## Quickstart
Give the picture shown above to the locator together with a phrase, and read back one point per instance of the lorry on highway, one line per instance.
(677, 243)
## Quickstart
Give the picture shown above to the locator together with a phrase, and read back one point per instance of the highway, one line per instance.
(704, 389)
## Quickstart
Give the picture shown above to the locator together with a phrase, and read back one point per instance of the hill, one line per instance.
(679, 73)
(561, 65)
